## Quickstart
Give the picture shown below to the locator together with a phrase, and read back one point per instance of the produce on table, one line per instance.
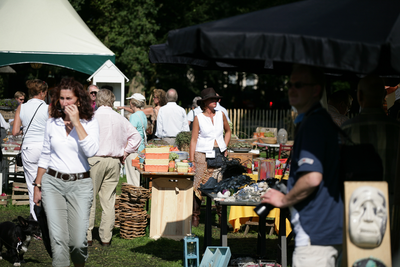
(173, 156)
(269, 134)
(151, 146)
(157, 142)
(240, 145)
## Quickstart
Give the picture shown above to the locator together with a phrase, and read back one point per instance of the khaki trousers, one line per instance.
(105, 177)
(132, 175)
(321, 256)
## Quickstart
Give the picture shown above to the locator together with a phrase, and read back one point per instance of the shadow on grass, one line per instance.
(166, 249)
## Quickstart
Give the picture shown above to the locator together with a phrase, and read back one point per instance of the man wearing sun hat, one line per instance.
(171, 119)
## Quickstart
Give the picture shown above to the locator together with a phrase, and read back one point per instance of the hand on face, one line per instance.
(68, 102)
(73, 112)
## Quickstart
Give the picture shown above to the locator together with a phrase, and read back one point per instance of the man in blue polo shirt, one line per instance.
(314, 195)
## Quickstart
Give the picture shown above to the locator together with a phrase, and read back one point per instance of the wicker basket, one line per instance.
(269, 140)
(131, 216)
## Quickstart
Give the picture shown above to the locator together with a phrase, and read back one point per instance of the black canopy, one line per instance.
(338, 35)
(157, 54)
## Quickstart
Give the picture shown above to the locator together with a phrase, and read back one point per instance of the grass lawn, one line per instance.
(142, 251)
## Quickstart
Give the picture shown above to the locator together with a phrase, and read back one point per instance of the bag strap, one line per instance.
(30, 124)
(340, 130)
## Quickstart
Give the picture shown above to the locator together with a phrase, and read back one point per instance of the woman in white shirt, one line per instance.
(71, 137)
(207, 139)
(37, 111)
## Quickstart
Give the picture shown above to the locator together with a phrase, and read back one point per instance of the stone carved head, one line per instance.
(367, 217)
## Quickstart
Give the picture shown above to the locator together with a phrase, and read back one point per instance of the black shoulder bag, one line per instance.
(18, 158)
(218, 161)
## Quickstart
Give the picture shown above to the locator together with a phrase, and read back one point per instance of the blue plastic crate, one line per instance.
(216, 257)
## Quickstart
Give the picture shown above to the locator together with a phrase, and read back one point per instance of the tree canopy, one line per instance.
(129, 27)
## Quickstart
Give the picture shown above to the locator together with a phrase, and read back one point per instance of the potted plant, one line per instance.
(8, 104)
(183, 140)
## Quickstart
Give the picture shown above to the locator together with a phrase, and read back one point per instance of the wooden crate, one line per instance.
(7, 114)
(20, 194)
(4, 200)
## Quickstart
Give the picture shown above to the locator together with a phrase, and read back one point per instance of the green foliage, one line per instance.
(12, 104)
(173, 156)
(126, 27)
(340, 85)
(183, 138)
(129, 27)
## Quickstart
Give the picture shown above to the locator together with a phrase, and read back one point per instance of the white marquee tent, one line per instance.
(48, 32)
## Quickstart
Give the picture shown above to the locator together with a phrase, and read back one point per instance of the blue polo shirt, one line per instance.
(318, 219)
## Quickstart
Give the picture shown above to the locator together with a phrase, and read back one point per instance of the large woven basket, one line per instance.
(269, 140)
(131, 216)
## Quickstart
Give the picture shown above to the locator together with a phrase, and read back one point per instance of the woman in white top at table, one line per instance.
(207, 138)
(63, 179)
(34, 136)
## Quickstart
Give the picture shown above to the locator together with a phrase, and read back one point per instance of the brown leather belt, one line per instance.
(68, 176)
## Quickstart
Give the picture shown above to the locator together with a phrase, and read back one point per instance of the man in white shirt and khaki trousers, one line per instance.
(118, 138)
(171, 119)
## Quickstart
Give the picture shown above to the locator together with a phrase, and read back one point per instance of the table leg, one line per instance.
(207, 225)
(282, 236)
(4, 174)
(261, 239)
(224, 228)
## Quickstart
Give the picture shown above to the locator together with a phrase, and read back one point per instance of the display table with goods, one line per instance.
(10, 149)
(241, 190)
(171, 193)
(250, 148)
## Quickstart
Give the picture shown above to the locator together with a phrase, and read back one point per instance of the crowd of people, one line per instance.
(74, 147)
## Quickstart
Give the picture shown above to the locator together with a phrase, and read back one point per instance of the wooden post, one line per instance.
(234, 122)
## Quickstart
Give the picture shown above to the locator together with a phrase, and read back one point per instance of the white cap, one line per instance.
(137, 96)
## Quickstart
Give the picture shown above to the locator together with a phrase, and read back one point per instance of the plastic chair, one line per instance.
(284, 150)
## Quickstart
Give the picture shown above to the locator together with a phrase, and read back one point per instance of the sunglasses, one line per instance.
(93, 93)
(299, 85)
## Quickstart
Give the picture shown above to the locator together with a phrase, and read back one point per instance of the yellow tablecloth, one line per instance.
(239, 215)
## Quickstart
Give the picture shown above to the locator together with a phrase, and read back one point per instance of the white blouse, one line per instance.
(36, 130)
(209, 132)
(66, 153)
